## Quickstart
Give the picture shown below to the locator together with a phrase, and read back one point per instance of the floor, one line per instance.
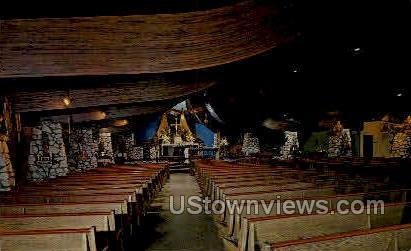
(180, 232)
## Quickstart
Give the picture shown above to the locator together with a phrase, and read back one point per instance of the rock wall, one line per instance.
(46, 152)
(133, 151)
(401, 146)
(106, 154)
(154, 152)
(290, 146)
(339, 145)
(83, 150)
(7, 180)
(251, 144)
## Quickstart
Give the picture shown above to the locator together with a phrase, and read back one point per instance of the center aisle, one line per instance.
(184, 231)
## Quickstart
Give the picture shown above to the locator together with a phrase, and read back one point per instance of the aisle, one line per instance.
(184, 231)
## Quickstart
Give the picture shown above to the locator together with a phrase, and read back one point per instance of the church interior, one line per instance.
(114, 117)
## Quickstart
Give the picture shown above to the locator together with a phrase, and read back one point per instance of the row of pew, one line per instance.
(100, 209)
(275, 230)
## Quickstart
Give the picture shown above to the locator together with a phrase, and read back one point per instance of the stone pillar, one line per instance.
(291, 143)
(401, 145)
(154, 152)
(105, 148)
(134, 153)
(251, 144)
(7, 180)
(46, 152)
(83, 150)
(340, 144)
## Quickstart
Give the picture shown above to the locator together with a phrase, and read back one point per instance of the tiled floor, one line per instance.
(184, 231)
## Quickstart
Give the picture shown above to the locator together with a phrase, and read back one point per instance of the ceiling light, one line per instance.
(66, 101)
(122, 122)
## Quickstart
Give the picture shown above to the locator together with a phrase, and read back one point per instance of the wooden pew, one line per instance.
(234, 222)
(393, 238)
(119, 207)
(274, 229)
(70, 196)
(78, 201)
(220, 193)
(102, 221)
(49, 240)
(272, 195)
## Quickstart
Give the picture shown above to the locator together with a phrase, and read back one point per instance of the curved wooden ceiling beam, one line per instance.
(155, 90)
(111, 113)
(138, 44)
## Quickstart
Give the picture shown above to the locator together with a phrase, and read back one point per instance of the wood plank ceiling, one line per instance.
(138, 44)
(146, 47)
(155, 90)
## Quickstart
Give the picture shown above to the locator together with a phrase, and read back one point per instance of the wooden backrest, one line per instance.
(284, 228)
(69, 193)
(57, 198)
(44, 240)
(103, 221)
(262, 187)
(394, 238)
(234, 221)
(272, 195)
(282, 193)
(255, 182)
(119, 207)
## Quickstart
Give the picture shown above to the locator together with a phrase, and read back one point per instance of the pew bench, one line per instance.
(82, 239)
(102, 221)
(393, 238)
(257, 232)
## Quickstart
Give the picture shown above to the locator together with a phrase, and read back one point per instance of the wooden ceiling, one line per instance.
(135, 44)
(111, 112)
(140, 92)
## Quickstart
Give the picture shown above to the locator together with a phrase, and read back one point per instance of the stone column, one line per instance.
(7, 180)
(251, 144)
(83, 150)
(291, 142)
(340, 144)
(134, 152)
(401, 145)
(106, 148)
(46, 152)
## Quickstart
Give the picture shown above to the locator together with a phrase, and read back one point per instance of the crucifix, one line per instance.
(175, 125)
